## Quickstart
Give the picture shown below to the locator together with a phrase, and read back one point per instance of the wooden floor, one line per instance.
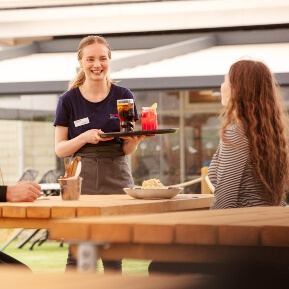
(15, 279)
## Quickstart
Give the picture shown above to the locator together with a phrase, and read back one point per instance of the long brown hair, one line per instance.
(88, 40)
(256, 102)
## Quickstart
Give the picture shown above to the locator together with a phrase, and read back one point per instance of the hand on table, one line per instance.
(24, 191)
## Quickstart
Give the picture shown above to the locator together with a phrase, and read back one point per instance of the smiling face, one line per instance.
(226, 91)
(95, 62)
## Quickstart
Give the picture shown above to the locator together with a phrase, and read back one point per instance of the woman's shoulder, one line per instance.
(67, 95)
(235, 133)
(235, 128)
(121, 90)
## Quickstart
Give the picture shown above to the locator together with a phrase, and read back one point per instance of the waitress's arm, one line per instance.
(65, 147)
(130, 143)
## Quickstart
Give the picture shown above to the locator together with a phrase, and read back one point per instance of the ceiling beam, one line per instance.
(162, 83)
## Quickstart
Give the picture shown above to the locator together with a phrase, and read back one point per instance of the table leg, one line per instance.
(87, 255)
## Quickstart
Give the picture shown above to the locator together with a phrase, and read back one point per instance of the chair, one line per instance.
(29, 174)
(51, 176)
(207, 186)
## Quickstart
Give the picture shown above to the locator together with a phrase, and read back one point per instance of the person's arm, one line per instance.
(232, 162)
(24, 191)
(3, 191)
(65, 147)
(130, 143)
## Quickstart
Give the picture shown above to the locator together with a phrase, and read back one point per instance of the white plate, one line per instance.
(167, 193)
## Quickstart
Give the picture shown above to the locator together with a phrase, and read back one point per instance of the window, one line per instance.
(176, 158)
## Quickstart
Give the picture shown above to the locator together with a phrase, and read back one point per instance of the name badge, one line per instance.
(81, 122)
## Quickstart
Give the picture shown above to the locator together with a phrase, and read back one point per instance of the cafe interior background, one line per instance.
(174, 53)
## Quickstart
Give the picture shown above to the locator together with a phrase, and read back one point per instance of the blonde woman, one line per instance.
(86, 109)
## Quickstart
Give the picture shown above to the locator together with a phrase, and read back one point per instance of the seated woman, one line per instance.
(250, 167)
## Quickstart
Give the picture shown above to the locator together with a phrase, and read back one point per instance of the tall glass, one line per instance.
(149, 119)
(125, 109)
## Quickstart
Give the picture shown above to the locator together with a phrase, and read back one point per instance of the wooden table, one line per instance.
(257, 235)
(41, 213)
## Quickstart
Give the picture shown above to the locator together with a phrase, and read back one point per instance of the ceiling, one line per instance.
(156, 44)
(120, 17)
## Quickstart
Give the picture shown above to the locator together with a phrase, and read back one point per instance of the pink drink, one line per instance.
(149, 119)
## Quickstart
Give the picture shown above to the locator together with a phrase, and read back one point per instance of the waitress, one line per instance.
(87, 109)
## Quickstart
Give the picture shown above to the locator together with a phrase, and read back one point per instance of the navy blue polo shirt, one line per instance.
(79, 114)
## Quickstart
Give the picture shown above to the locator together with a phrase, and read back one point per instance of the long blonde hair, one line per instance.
(88, 40)
(256, 103)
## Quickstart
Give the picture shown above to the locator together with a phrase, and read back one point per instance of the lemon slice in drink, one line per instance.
(154, 106)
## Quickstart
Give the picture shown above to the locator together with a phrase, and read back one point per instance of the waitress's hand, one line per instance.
(133, 139)
(136, 138)
(130, 143)
(93, 136)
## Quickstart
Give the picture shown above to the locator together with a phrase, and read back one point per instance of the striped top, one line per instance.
(230, 172)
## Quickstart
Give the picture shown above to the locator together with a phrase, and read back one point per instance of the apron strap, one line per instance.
(100, 151)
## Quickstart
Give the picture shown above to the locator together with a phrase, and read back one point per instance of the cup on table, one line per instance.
(149, 119)
(125, 109)
(70, 189)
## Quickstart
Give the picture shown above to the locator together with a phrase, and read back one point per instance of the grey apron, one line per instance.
(104, 169)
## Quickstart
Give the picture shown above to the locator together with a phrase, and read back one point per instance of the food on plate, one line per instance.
(152, 184)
